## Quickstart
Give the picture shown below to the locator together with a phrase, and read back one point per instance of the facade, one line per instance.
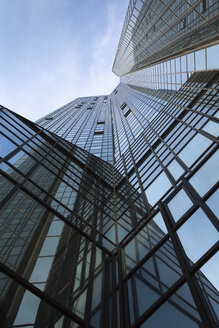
(109, 211)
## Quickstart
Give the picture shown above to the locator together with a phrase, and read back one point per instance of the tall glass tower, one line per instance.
(109, 204)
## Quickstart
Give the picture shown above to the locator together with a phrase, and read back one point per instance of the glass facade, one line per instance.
(109, 204)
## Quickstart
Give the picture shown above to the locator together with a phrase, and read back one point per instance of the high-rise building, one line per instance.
(109, 210)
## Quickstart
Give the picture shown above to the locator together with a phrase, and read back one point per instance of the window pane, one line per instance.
(175, 169)
(158, 188)
(207, 175)
(49, 246)
(200, 60)
(6, 146)
(197, 235)
(213, 203)
(212, 128)
(169, 316)
(212, 57)
(41, 269)
(194, 149)
(179, 204)
(208, 279)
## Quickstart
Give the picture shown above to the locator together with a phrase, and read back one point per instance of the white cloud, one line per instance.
(101, 79)
(51, 78)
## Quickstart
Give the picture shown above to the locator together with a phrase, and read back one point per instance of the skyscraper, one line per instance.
(109, 204)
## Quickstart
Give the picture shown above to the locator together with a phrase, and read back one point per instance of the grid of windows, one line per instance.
(155, 30)
(86, 122)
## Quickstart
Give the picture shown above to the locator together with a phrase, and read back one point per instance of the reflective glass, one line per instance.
(41, 269)
(212, 57)
(197, 235)
(200, 60)
(207, 175)
(27, 310)
(212, 128)
(179, 204)
(213, 202)
(6, 146)
(169, 316)
(158, 188)
(175, 169)
(194, 149)
(49, 246)
(208, 279)
(56, 228)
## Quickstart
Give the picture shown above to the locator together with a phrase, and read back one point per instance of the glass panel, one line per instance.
(41, 269)
(194, 149)
(170, 317)
(210, 270)
(22, 161)
(145, 240)
(197, 235)
(174, 315)
(158, 188)
(145, 296)
(160, 222)
(179, 204)
(49, 246)
(175, 169)
(97, 288)
(213, 203)
(207, 175)
(56, 228)
(212, 128)
(208, 279)
(79, 304)
(28, 309)
(190, 58)
(6, 146)
(212, 57)
(200, 60)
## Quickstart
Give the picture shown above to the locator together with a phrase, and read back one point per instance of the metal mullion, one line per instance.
(59, 147)
(137, 228)
(209, 136)
(105, 299)
(67, 183)
(147, 257)
(114, 300)
(5, 112)
(195, 196)
(123, 293)
(202, 16)
(40, 294)
(131, 206)
(27, 178)
(200, 113)
(135, 297)
(174, 303)
(39, 200)
(185, 267)
(172, 180)
(143, 16)
(154, 260)
(16, 128)
(204, 160)
(92, 273)
(94, 229)
(159, 302)
(18, 184)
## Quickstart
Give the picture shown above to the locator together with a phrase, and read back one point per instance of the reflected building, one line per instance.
(109, 204)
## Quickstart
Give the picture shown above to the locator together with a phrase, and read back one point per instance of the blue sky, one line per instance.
(53, 51)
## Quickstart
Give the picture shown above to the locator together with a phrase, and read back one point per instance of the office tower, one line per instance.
(109, 204)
